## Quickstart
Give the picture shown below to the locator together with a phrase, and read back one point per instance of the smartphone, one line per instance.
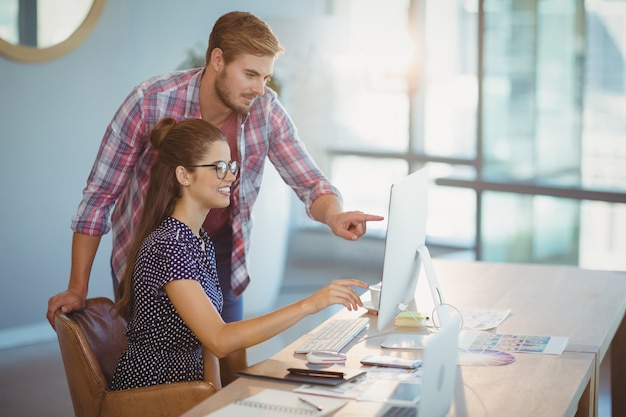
(405, 394)
(391, 362)
(392, 392)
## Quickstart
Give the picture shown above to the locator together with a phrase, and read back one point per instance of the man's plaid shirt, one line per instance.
(119, 177)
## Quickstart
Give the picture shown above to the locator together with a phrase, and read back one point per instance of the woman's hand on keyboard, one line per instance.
(336, 292)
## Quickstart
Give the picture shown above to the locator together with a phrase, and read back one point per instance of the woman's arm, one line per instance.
(197, 311)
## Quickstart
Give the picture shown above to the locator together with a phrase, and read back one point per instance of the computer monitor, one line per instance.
(406, 251)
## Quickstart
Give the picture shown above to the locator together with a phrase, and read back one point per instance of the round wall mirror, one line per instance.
(42, 30)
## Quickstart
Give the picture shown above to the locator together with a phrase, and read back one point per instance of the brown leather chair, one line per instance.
(91, 343)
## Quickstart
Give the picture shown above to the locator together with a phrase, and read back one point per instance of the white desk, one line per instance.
(586, 306)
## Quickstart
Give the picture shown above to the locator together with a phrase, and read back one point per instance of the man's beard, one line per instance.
(225, 94)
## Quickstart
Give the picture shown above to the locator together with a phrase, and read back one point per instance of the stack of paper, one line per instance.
(410, 319)
(276, 403)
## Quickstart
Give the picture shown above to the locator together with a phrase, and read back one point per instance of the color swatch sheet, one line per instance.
(474, 341)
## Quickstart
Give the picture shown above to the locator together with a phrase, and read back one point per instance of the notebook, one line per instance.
(279, 370)
(276, 403)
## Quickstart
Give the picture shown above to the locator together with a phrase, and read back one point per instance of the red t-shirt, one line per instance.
(219, 217)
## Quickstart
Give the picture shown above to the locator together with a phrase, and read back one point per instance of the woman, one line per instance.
(170, 292)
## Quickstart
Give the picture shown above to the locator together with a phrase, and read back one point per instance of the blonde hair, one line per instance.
(242, 32)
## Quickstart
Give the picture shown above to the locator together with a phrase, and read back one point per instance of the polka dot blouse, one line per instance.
(161, 348)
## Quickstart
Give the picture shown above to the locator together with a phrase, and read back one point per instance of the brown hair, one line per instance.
(242, 32)
(179, 144)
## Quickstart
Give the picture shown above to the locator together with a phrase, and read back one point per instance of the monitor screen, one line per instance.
(405, 247)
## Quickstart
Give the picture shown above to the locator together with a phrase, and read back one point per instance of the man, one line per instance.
(229, 92)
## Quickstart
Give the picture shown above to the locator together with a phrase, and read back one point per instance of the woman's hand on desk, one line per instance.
(201, 316)
(336, 292)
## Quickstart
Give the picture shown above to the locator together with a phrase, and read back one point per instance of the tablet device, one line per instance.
(391, 362)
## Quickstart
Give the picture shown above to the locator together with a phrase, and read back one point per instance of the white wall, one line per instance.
(53, 116)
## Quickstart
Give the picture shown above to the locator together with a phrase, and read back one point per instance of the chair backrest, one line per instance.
(91, 343)
(104, 331)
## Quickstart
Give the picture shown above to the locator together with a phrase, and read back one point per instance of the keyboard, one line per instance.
(334, 336)
(398, 411)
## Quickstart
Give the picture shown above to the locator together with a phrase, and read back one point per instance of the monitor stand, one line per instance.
(417, 341)
(433, 283)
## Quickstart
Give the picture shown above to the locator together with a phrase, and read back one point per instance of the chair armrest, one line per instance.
(163, 400)
(211, 368)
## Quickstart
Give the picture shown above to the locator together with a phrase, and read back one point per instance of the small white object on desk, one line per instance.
(375, 293)
(325, 357)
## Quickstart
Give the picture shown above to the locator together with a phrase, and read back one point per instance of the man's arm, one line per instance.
(84, 248)
(349, 225)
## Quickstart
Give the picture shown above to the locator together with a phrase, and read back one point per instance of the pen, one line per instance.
(317, 407)
(316, 373)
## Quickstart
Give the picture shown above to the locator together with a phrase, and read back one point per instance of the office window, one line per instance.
(516, 108)
(369, 76)
(532, 107)
(522, 228)
(446, 78)
(603, 225)
(532, 98)
(393, 105)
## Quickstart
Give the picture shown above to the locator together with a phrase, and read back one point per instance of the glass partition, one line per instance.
(516, 107)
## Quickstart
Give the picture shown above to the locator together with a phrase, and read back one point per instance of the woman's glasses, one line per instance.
(221, 168)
